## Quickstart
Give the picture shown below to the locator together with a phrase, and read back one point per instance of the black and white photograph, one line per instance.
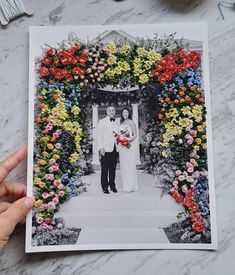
(120, 129)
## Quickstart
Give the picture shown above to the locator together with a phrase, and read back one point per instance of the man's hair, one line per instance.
(111, 106)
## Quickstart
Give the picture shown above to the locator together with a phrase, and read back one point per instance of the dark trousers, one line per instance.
(108, 169)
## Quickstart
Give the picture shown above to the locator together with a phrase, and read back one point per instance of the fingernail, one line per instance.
(29, 202)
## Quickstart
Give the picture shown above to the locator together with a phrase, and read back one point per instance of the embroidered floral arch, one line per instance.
(168, 77)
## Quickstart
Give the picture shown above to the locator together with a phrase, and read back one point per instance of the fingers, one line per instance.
(13, 190)
(15, 213)
(4, 206)
(11, 162)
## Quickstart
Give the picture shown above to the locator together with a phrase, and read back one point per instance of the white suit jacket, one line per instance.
(105, 133)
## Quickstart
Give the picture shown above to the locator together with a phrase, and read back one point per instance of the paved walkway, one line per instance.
(136, 217)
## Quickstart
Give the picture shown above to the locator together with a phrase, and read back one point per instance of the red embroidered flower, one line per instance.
(193, 207)
(50, 51)
(46, 60)
(194, 217)
(43, 72)
(78, 71)
(47, 220)
(179, 198)
(198, 226)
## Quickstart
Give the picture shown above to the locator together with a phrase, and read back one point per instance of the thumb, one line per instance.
(13, 215)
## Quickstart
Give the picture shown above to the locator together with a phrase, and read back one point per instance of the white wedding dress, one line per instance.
(128, 160)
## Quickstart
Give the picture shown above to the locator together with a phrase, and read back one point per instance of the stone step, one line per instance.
(124, 202)
(118, 219)
(120, 238)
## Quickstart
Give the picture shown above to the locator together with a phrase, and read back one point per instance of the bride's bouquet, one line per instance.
(123, 138)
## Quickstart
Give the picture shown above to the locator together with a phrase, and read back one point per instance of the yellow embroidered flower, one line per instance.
(204, 125)
(78, 146)
(50, 146)
(45, 139)
(184, 122)
(124, 50)
(117, 70)
(112, 47)
(204, 146)
(143, 78)
(43, 91)
(141, 51)
(197, 111)
(55, 156)
(45, 154)
(75, 110)
(173, 113)
(112, 60)
(38, 203)
(124, 66)
(164, 154)
(36, 181)
(68, 125)
(147, 65)
(42, 162)
(154, 56)
(204, 137)
(109, 72)
(196, 148)
(198, 141)
(37, 170)
(73, 158)
(200, 128)
(45, 109)
(41, 184)
(185, 110)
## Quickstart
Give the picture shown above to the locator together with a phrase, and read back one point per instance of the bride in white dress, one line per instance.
(128, 156)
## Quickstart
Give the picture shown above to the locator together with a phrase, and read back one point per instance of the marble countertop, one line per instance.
(13, 127)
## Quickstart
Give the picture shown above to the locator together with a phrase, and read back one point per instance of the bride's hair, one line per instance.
(129, 114)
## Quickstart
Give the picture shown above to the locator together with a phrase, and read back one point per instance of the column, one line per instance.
(135, 118)
(95, 119)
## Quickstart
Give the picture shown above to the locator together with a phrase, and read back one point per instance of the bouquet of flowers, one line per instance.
(123, 138)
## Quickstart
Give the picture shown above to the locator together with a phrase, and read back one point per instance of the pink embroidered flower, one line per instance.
(61, 193)
(57, 182)
(57, 145)
(187, 129)
(185, 189)
(45, 195)
(61, 186)
(51, 205)
(189, 164)
(43, 206)
(180, 141)
(39, 220)
(52, 161)
(55, 168)
(55, 200)
(185, 173)
(178, 172)
(190, 169)
(181, 178)
(189, 179)
(188, 136)
(49, 177)
(51, 193)
(193, 132)
(189, 141)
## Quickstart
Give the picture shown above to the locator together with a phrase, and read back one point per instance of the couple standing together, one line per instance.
(109, 148)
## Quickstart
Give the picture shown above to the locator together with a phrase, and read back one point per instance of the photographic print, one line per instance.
(120, 142)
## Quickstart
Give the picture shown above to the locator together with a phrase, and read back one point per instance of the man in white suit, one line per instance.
(108, 149)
